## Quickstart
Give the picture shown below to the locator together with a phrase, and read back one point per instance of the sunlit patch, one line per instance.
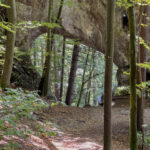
(38, 142)
(70, 143)
(2, 142)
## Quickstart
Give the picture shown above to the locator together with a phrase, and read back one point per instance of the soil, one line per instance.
(79, 128)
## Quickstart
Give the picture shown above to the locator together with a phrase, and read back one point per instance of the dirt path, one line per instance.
(80, 128)
(88, 123)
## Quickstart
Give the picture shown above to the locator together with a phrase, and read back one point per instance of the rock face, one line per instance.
(24, 75)
(80, 19)
(84, 20)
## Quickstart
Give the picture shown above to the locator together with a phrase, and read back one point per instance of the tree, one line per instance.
(133, 99)
(72, 75)
(44, 87)
(92, 66)
(35, 54)
(56, 73)
(62, 68)
(83, 76)
(108, 74)
(142, 58)
(10, 44)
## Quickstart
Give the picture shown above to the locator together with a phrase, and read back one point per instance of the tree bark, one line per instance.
(108, 74)
(142, 57)
(87, 99)
(89, 93)
(140, 98)
(35, 54)
(133, 96)
(62, 68)
(56, 74)
(72, 75)
(44, 87)
(10, 44)
(83, 76)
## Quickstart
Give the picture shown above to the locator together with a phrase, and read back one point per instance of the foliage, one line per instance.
(123, 90)
(97, 77)
(43, 130)
(144, 65)
(146, 141)
(7, 26)
(126, 3)
(35, 24)
(3, 5)
(14, 105)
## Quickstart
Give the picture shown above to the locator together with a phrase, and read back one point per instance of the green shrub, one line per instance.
(121, 91)
(15, 104)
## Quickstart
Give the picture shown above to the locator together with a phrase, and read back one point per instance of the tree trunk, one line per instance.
(140, 99)
(72, 75)
(89, 93)
(133, 98)
(42, 58)
(92, 66)
(10, 44)
(108, 74)
(62, 68)
(82, 85)
(142, 57)
(94, 96)
(56, 70)
(145, 31)
(35, 54)
(44, 87)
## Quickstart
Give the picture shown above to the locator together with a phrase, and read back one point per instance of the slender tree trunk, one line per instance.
(108, 74)
(44, 86)
(145, 31)
(140, 106)
(94, 96)
(56, 70)
(83, 76)
(35, 54)
(72, 75)
(42, 58)
(60, 10)
(89, 93)
(92, 66)
(142, 57)
(10, 44)
(133, 98)
(62, 68)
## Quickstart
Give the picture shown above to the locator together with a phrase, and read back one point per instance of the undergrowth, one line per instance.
(14, 105)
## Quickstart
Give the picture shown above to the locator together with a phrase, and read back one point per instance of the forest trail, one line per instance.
(86, 125)
(79, 128)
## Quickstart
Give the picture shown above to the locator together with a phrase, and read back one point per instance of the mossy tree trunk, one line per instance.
(10, 44)
(45, 84)
(133, 96)
(108, 74)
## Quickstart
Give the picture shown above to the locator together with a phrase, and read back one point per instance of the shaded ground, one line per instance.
(79, 128)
